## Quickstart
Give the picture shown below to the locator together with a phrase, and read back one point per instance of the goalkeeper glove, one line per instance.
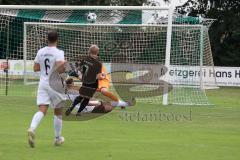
(73, 73)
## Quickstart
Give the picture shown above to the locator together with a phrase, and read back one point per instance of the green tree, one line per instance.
(225, 31)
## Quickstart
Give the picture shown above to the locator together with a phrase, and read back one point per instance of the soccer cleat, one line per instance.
(132, 101)
(31, 137)
(59, 141)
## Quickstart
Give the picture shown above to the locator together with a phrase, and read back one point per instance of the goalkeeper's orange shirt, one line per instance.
(104, 83)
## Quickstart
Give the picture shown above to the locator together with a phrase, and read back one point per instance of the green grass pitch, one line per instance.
(213, 132)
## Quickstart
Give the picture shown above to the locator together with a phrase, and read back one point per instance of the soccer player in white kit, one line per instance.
(49, 60)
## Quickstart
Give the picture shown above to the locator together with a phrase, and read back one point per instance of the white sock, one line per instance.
(57, 122)
(119, 103)
(36, 120)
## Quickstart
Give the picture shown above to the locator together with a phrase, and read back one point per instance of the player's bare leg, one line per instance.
(34, 124)
(57, 122)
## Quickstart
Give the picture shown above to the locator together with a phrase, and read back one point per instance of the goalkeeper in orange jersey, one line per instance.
(103, 87)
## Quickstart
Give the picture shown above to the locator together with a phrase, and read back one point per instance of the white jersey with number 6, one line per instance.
(46, 58)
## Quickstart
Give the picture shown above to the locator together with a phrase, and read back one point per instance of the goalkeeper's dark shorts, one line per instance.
(88, 90)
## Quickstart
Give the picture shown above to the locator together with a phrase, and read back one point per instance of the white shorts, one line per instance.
(48, 96)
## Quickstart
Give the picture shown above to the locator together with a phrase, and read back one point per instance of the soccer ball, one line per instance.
(91, 17)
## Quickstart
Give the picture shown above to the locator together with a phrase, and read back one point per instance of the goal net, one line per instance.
(133, 46)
